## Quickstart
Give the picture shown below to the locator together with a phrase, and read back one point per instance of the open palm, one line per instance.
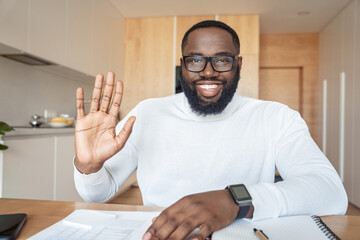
(95, 137)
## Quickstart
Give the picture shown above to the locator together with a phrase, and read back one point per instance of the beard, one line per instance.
(203, 108)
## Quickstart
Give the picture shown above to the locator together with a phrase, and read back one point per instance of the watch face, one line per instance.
(240, 193)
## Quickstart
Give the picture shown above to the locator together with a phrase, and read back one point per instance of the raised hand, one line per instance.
(208, 211)
(95, 138)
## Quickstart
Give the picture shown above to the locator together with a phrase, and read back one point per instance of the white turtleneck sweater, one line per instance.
(177, 152)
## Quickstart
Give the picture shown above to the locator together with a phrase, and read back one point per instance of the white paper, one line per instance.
(88, 219)
(294, 228)
(92, 224)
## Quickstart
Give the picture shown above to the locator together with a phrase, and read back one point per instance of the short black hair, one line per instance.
(213, 23)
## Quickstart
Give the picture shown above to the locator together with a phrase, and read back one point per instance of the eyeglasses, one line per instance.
(218, 63)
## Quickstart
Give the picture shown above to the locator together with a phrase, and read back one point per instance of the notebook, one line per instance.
(293, 227)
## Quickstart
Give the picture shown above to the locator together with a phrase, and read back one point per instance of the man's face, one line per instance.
(209, 91)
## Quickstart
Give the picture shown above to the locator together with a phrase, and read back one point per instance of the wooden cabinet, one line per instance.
(64, 170)
(100, 38)
(86, 36)
(13, 23)
(79, 43)
(47, 30)
(149, 57)
(356, 113)
(28, 168)
(247, 27)
(95, 37)
(39, 167)
(339, 61)
(117, 43)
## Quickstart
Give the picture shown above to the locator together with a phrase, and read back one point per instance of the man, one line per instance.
(189, 147)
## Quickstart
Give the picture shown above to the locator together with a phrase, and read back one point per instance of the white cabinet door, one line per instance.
(340, 52)
(117, 43)
(335, 31)
(28, 168)
(348, 68)
(356, 113)
(47, 30)
(79, 43)
(64, 176)
(13, 23)
(100, 37)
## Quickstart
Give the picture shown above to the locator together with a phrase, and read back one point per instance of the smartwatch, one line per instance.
(241, 197)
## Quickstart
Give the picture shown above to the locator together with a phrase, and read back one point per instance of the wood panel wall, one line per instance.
(296, 50)
(149, 66)
(248, 30)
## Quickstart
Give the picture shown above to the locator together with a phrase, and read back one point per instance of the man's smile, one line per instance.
(209, 88)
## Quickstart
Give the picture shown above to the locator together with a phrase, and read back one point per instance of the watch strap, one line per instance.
(243, 211)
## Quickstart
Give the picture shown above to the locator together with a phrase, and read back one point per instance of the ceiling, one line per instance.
(276, 16)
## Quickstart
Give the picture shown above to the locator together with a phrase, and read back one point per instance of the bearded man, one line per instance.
(207, 155)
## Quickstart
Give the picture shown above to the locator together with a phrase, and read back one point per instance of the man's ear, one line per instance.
(240, 62)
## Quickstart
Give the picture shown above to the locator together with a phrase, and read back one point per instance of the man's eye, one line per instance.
(194, 60)
(222, 60)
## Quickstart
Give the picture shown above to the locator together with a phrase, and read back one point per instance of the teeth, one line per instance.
(208, 87)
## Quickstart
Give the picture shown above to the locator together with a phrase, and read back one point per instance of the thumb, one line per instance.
(125, 132)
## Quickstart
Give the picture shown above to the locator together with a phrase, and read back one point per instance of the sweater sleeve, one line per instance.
(103, 185)
(310, 183)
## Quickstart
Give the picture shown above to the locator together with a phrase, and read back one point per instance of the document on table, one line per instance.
(92, 224)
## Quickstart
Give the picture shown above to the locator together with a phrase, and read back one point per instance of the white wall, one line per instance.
(25, 91)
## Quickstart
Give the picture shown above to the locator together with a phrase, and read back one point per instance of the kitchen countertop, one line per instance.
(29, 131)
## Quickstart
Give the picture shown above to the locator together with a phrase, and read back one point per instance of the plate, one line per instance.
(56, 124)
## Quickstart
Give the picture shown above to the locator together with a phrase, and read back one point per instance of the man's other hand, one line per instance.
(208, 211)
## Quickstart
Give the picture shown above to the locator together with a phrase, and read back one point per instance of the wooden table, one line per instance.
(42, 214)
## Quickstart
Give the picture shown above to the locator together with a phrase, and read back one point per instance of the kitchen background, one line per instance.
(26, 91)
(317, 46)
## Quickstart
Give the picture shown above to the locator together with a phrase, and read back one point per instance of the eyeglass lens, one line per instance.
(219, 63)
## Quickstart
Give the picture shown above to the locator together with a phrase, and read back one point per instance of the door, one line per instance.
(282, 85)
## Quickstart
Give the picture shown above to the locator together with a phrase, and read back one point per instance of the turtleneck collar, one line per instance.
(230, 108)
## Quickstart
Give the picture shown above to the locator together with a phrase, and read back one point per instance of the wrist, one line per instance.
(86, 168)
(234, 208)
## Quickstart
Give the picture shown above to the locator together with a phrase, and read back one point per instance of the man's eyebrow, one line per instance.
(227, 53)
(194, 53)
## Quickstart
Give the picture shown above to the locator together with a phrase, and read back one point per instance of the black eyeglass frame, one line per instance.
(209, 59)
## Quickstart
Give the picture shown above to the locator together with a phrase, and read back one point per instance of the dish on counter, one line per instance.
(59, 124)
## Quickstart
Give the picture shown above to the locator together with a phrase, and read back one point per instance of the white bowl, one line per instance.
(56, 124)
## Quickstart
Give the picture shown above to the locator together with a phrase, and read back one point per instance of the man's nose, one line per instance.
(209, 72)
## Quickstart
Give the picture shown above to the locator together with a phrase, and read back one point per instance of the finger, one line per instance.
(158, 222)
(115, 106)
(80, 112)
(203, 233)
(108, 90)
(189, 225)
(169, 222)
(154, 219)
(94, 106)
(125, 132)
(186, 227)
